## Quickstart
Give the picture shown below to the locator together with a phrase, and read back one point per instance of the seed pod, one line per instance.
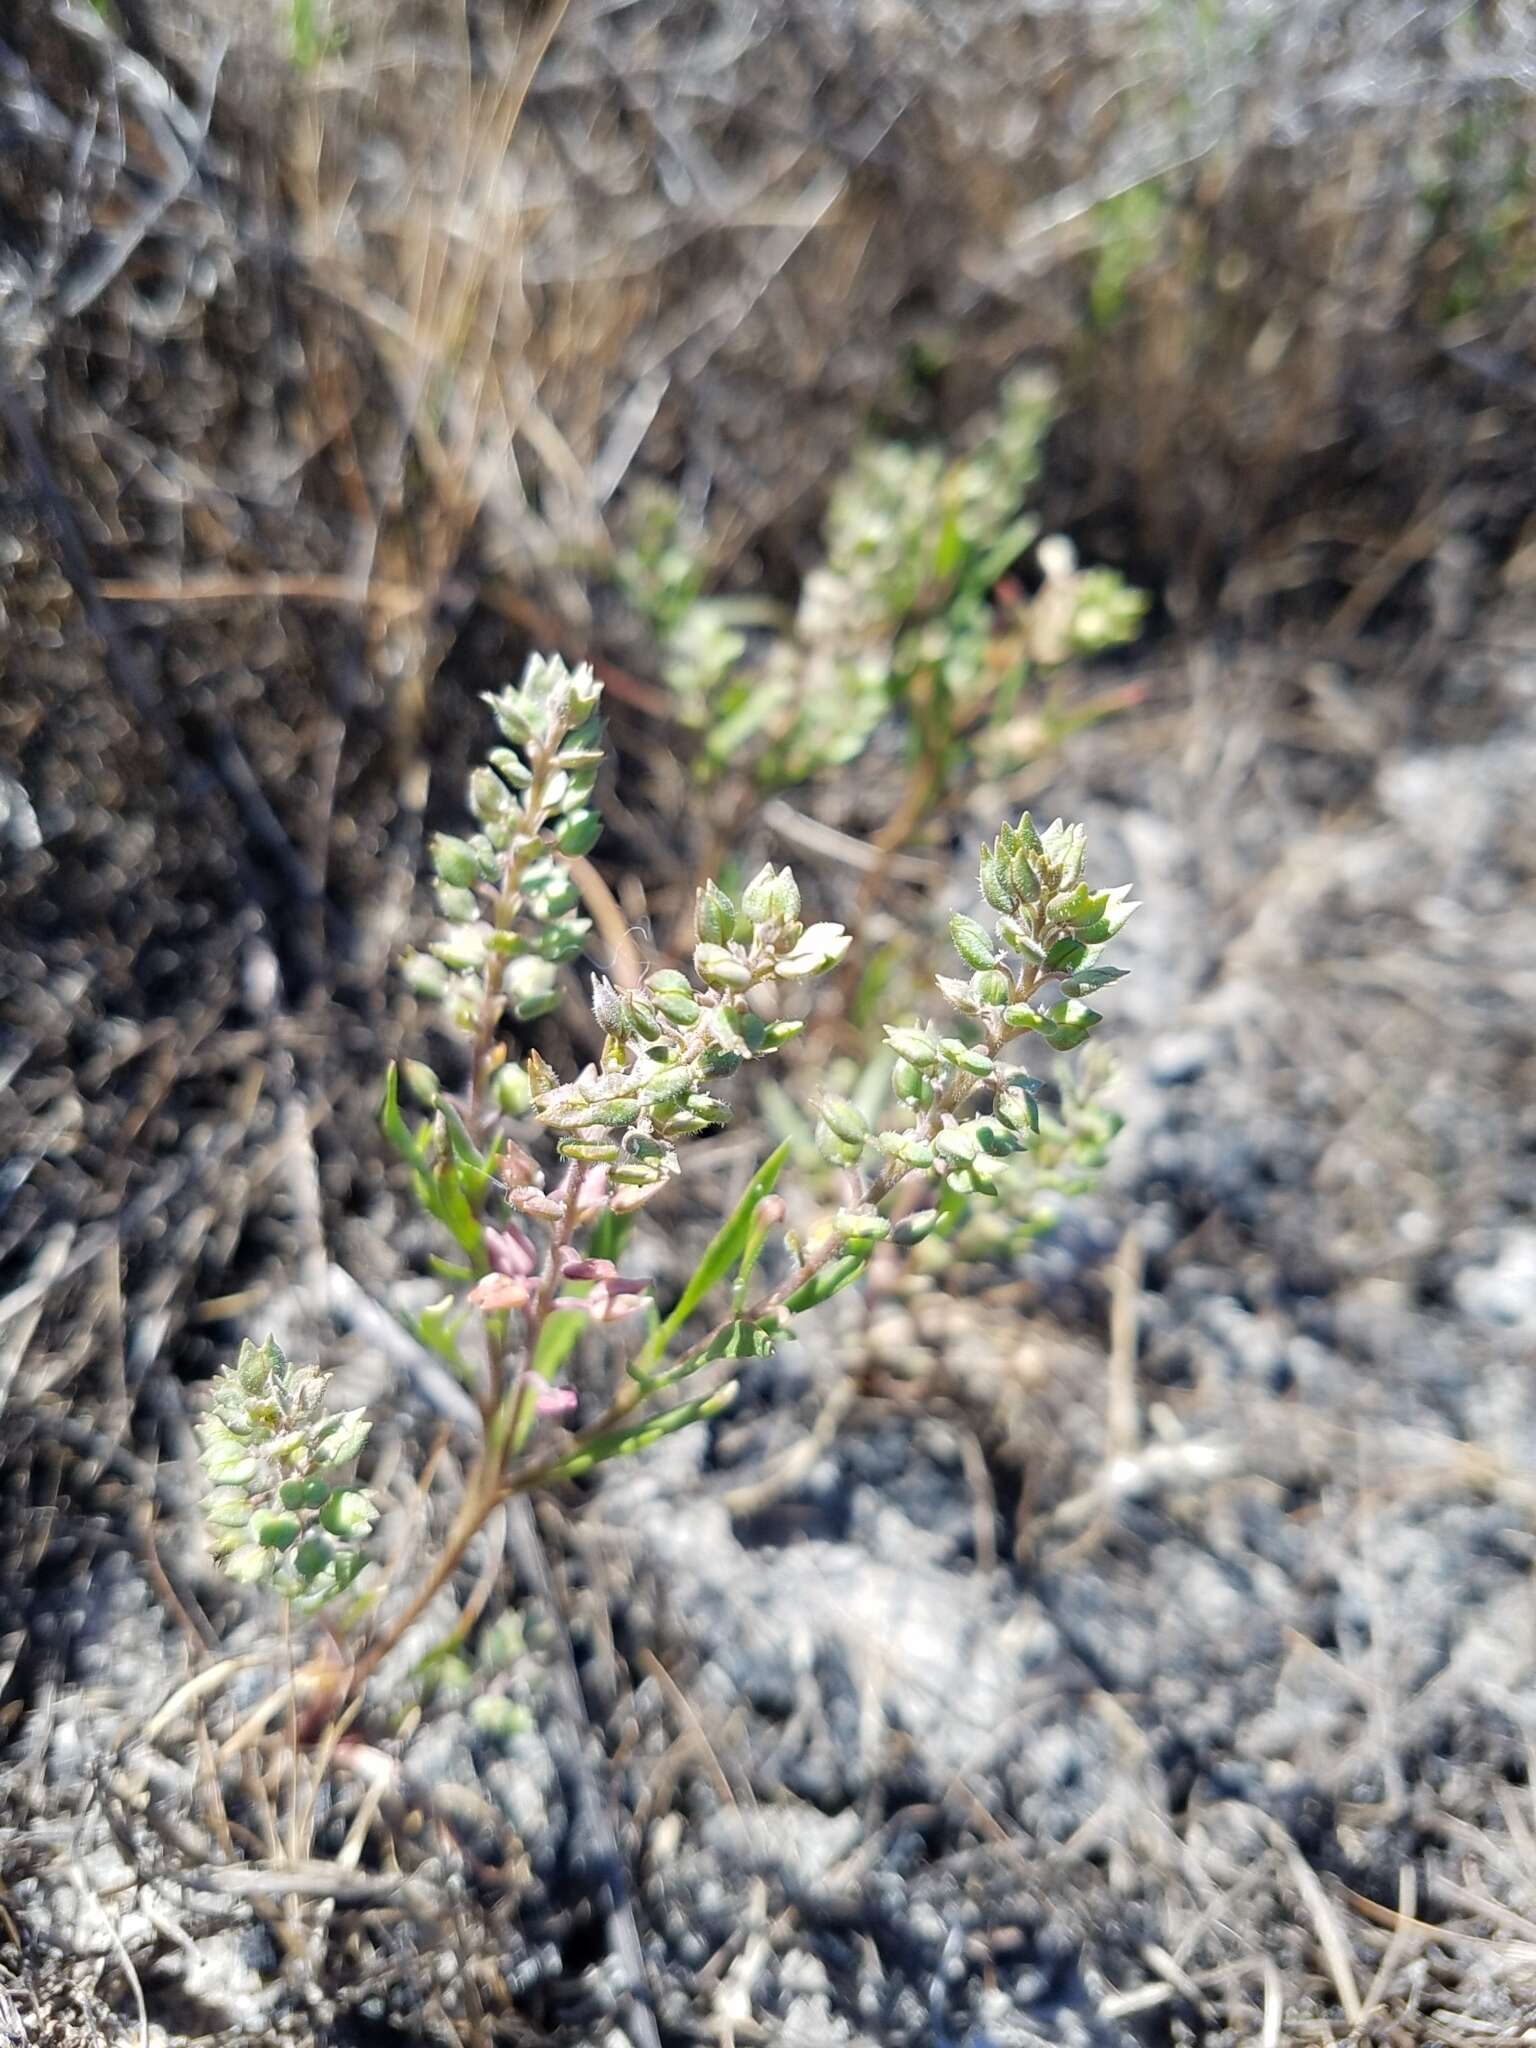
(862, 1225)
(489, 798)
(312, 1557)
(454, 861)
(714, 916)
(510, 1087)
(835, 1150)
(248, 1563)
(972, 942)
(422, 1082)
(227, 1511)
(424, 977)
(995, 886)
(275, 1531)
(682, 1011)
(608, 1007)
(910, 1085)
(914, 1228)
(349, 1514)
(720, 969)
(1026, 882)
(578, 832)
(916, 1047)
(970, 1059)
(757, 899)
(841, 1116)
(456, 903)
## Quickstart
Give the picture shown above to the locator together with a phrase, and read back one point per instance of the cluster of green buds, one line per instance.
(900, 614)
(506, 891)
(669, 1041)
(1051, 931)
(279, 1513)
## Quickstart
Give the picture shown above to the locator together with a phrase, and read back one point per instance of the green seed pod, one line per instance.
(972, 942)
(1017, 1108)
(454, 861)
(993, 988)
(489, 798)
(349, 1514)
(608, 1007)
(996, 1141)
(970, 1059)
(227, 1511)
(1026, 883)
(835, 1150)
(910, 1085)
(312, 1557)
(862, 1225)
(578, 832)
(757, 899)
(275, 1531)
(422, 1082)
(786, 897)
(510, 1087)
(248, 1563)
(914, 1228)
(291, 1493)
(914, 1046)
(714, 916)
(841, 1117)
(615, 1114)
(457, 903)
(995, 881)
(717, 1060)
(720, 969)
(680, 1010)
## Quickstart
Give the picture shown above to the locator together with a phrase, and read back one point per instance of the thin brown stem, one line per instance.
(479, 1499)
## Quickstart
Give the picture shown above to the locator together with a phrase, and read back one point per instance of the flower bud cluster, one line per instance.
(1050, 934)
(506, 890)
(668, 1042)
(279, 1513)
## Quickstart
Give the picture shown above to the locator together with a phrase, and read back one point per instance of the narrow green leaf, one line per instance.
(393, 1123)
(727, 1246)
(832, 1279)
(557, 1340)
(639, 1436)
(1002, 554)
(441, 1196)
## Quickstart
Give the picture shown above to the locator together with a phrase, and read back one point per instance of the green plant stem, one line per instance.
(479, 1499)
